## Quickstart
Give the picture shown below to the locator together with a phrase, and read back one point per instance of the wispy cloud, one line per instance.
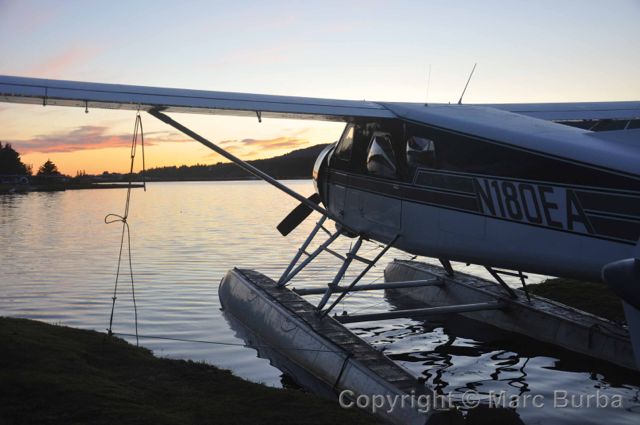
(87, 137)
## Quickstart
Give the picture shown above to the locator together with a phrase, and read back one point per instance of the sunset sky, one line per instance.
(527, 51)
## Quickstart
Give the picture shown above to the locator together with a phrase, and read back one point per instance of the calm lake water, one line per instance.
(58, 262)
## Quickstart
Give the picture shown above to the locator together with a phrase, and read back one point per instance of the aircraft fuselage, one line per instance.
(465, 198)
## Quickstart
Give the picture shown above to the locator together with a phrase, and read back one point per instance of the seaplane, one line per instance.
(548, 188)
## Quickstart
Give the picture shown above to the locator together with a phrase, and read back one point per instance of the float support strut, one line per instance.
(343, 269)
(301, 251)
(370, 264)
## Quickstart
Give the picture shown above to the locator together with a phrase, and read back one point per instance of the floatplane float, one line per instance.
(551, 188)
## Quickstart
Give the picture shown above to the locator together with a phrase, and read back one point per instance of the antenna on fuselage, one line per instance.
(426, 100)
(467, 85)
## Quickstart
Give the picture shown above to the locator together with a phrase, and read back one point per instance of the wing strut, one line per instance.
(242, 164)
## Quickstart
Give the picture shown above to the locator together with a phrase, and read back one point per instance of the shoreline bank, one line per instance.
(55, 374)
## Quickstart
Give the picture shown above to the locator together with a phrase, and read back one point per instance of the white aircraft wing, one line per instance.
(574, 111)
(116, 96)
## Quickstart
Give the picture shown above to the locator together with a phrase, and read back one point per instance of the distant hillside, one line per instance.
(294, 165)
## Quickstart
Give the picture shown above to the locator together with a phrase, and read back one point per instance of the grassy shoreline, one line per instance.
(592, 297)
(54, 374)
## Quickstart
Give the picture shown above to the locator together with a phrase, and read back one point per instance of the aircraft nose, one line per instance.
(302, 211)
(320, 173)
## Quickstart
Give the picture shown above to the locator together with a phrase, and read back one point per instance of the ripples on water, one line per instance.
(58, 262)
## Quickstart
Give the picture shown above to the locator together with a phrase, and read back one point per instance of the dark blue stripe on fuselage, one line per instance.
(598, 213)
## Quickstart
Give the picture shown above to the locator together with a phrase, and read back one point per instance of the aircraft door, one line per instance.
(441, 223)
(373, 199)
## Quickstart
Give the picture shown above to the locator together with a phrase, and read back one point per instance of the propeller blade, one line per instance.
(297, 216)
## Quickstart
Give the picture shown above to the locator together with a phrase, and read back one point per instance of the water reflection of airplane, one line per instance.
(544, 188)
(453, 336)
(441, 351)
(290, 370)
(450, 338)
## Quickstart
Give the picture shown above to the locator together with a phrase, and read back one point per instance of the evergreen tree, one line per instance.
(10, 162)
(48, 169)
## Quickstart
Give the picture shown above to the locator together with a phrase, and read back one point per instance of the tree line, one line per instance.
(295, 164)
(11, 164)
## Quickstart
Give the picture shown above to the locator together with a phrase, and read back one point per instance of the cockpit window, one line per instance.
(381, 160)
(344, 148)
(421, 152)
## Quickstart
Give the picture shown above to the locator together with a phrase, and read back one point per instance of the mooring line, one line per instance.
(234, 344)
(113, 218)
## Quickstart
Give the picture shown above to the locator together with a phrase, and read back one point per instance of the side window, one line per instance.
(381, 160)
(344, 148)
(421, 152)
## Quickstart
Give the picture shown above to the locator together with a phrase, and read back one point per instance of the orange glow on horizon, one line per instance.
(117, 159)
(101, 140)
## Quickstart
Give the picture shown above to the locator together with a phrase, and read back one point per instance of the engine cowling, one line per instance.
(320, 172)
